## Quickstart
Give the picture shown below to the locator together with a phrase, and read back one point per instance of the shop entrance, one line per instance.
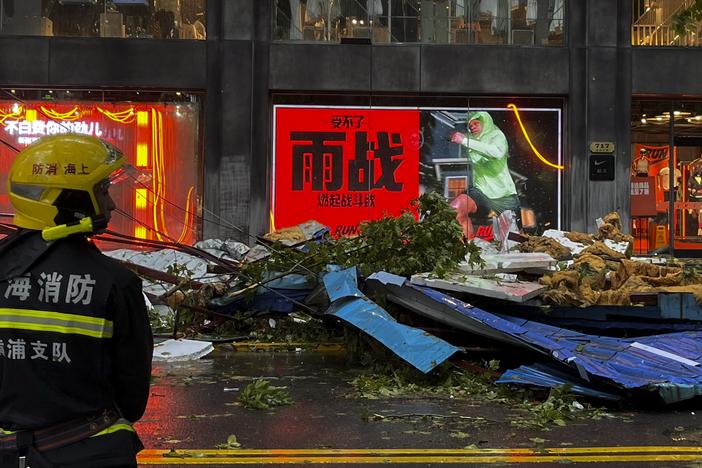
(666, 177)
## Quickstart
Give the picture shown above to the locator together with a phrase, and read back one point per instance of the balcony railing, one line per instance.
(652, 24)
(518, 22)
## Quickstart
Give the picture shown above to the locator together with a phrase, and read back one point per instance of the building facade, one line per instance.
(576, 86)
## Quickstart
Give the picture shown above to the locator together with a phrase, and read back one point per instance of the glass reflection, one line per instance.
(164, 19)
(521, 22)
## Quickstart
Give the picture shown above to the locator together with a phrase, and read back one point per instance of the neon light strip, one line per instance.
(142, 118)
(188, 216)
(526, 136)
(123, 117)
(10, 115)
(422, 108)
(72, 114)
(142, 155)
(274, 178)
(156, 180)
(560, 173)
(162, 175)
(159, 184)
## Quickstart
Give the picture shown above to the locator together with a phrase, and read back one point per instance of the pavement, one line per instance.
(193, 412)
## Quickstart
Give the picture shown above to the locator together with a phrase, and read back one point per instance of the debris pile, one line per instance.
(544, 296)
(602, 274)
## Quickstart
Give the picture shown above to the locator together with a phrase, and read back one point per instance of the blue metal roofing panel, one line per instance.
(342, 284)
(419, 348)
(613, 359)
(544, 376)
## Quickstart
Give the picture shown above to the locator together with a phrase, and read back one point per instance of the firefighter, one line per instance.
(75, 340)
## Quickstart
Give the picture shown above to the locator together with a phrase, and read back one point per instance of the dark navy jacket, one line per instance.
(74, 333)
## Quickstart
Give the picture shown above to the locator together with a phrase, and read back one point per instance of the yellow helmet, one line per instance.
(62, 178)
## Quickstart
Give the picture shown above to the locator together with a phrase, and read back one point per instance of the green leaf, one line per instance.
(262, 395)
(231, 443)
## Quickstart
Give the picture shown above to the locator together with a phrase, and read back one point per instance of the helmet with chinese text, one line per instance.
(61, 179)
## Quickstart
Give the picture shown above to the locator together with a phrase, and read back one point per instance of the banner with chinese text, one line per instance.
(344, 166)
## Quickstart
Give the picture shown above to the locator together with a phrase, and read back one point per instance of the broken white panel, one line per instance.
(666, 354)
(651, 260)
(520, 291)
(486, 247)
(388, 278)
(507, 277)
(181, 350)
(257, 252)
(559, 236)
(161, 260)
(508, 262)
(228, 249)
(620, 247)
(577, 247)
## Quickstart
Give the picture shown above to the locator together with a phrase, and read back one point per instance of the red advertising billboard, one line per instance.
(344, 166)
(341, 166)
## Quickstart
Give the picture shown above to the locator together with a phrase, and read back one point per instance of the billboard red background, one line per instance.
(344, 166)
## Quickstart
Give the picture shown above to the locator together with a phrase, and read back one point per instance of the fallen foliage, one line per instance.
(262, 395)
(452, 383)
(425, 238)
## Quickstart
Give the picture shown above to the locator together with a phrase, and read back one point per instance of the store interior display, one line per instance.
(652, 164)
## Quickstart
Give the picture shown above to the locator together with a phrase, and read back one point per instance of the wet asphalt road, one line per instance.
(194, 406)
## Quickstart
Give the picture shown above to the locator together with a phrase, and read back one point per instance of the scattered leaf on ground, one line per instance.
(231, 443)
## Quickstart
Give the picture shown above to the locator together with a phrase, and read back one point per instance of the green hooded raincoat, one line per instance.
(488, 154)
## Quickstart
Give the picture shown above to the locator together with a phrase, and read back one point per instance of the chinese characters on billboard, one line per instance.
(342, 166)
(160, 139)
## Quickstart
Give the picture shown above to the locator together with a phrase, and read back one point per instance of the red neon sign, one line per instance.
(159, 138)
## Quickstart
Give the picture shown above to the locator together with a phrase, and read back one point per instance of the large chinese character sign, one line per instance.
(344, 166)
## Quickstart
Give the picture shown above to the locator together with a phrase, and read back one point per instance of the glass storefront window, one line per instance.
(158, 133)
(161, 19)
(520, 22)
(666, 176)
(653, 24)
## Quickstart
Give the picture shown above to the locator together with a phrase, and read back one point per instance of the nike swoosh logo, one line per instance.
(599, 163)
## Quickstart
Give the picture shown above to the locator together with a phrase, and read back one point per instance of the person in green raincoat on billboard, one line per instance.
(492, 188)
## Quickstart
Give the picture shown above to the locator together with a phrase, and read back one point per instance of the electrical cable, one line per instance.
(188, 249)
(203, 254)
(12, 147)
(222, 222)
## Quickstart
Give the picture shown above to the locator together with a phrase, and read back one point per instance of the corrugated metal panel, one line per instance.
(668, 363)
(541, 375)
(417, 347)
